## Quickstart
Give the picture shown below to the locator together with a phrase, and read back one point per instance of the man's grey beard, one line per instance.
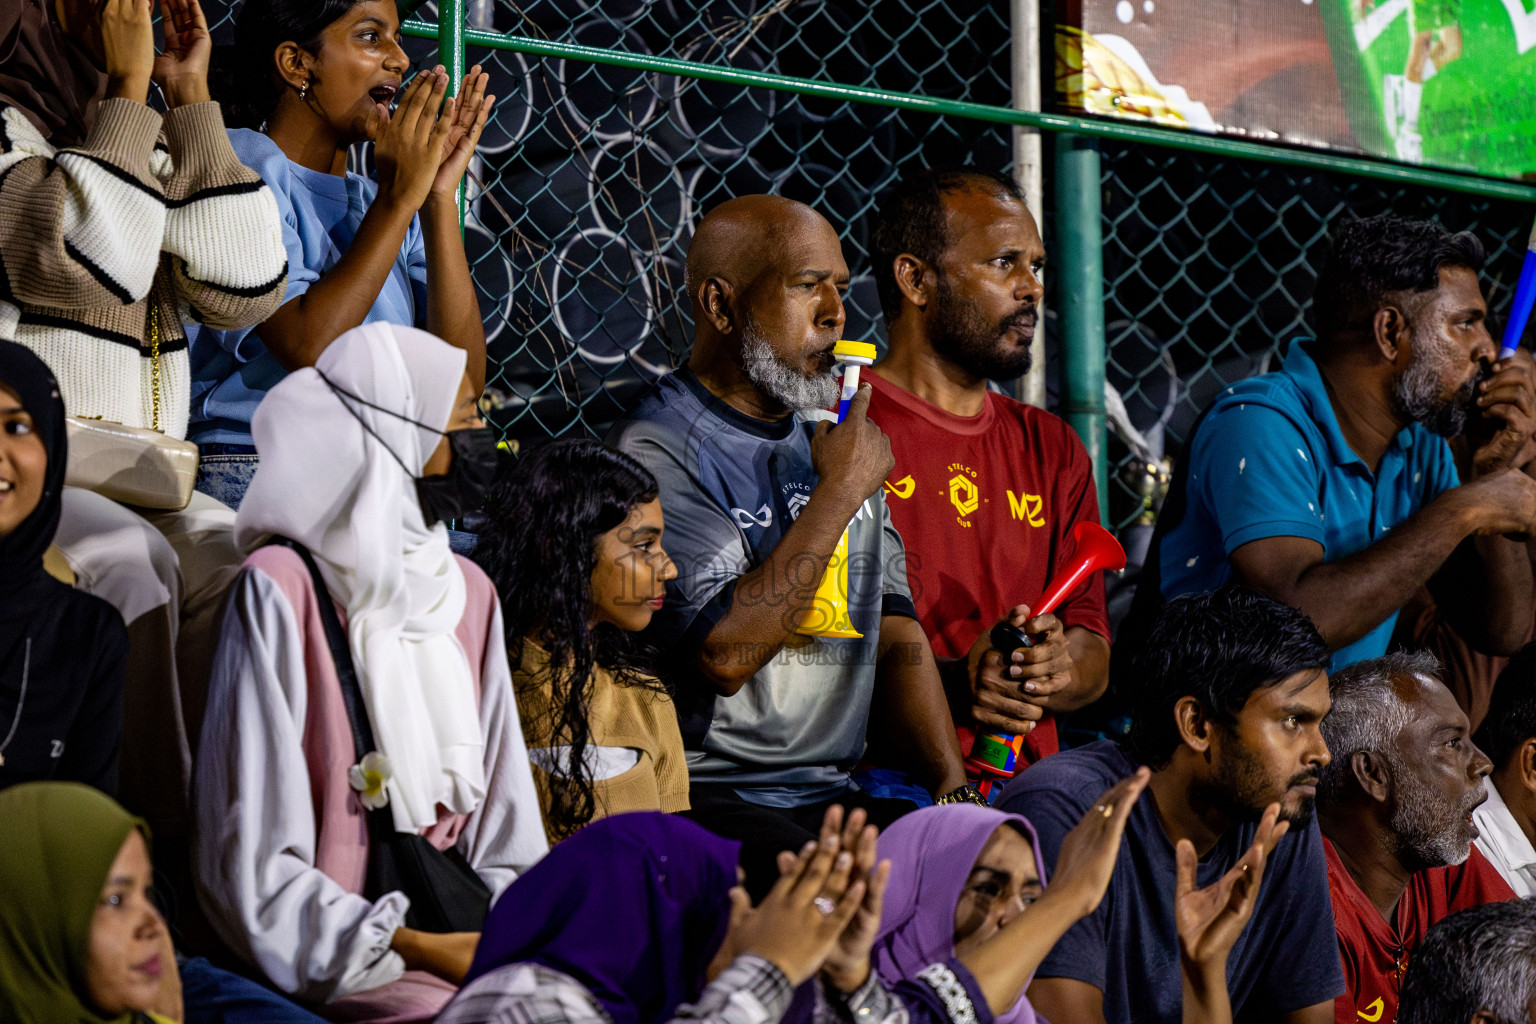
(781, 381)
(1417, 392)
(1429, 830)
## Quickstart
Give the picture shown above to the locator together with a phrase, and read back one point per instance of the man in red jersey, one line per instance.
(1395, 804)
(986, 490)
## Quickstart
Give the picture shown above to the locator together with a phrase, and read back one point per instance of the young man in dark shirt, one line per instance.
(1232, 691)
(1396, 809)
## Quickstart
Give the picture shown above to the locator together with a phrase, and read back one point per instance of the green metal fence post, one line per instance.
(1080, 298)
(450, 54)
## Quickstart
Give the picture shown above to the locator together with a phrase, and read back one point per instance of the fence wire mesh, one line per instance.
(1209, 266)
(591, 178)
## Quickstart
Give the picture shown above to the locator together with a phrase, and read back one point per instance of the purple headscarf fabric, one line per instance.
(633, 906)
(932, 852)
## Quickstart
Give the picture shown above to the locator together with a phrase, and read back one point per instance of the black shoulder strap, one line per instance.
(341, 652)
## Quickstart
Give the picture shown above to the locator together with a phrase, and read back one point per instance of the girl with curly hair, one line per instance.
(574, 547)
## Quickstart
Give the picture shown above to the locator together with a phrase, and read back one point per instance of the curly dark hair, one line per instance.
(1373, 259)
(545, 515)
(1511, 717)
(1218, 648)
(243, 78)
(912, 219)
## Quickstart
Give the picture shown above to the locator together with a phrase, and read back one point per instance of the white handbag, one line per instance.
(133, 465)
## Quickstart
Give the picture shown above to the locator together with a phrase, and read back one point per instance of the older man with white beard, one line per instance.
(758, 491)
(1395, 804)
(1329, 484)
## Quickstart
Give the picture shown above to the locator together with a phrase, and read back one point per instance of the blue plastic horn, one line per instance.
(1525, 298)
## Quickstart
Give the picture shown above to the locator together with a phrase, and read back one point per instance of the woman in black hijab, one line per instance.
(62, 651)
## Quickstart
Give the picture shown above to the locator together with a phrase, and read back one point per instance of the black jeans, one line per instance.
(764, 831)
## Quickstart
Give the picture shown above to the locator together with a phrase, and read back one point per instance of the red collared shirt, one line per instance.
(1374, 952)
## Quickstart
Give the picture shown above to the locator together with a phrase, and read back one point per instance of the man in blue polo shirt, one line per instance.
(1329, 484)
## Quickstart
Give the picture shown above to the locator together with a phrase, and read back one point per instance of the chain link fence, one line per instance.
(591, 179)
(596, 176)
(1209, 266)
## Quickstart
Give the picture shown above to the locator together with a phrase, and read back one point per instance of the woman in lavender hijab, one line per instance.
(968, 915)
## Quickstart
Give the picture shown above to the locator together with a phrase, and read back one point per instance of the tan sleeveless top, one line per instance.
(621, 716)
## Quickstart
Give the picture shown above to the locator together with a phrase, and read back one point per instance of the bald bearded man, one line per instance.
(757, 489)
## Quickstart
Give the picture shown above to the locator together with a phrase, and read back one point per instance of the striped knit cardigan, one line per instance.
(90, 235)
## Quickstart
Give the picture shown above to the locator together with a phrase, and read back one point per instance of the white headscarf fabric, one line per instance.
(328, 483)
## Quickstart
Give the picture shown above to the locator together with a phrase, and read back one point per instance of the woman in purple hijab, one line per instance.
(962, 877)
(640, 918)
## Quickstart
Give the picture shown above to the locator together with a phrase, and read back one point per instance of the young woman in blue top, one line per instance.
(307, 80)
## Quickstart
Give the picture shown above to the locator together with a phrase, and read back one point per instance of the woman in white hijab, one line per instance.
(361, 456)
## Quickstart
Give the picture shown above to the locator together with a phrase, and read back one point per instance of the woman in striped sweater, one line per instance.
(117, 224)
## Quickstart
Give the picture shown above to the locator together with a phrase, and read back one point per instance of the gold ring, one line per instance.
(1105, 809)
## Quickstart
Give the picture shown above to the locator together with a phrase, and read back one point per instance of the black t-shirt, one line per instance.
(70, 726)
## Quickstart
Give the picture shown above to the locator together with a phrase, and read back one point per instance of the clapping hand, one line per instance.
(181, 71)
(803, 916)
(408, 147)
(847, 965)
(466, 114)
(1088, 852)
(127, 47)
